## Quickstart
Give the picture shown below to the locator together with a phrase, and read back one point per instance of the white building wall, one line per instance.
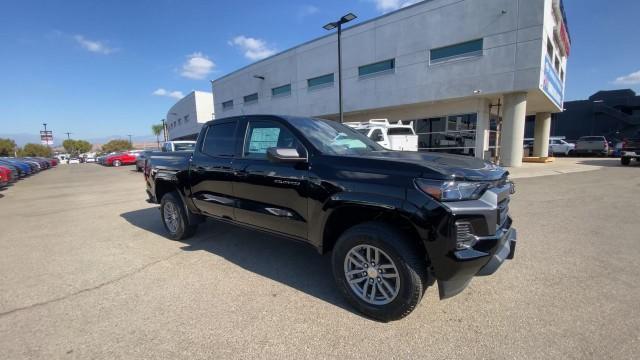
(513, 46)
(186, 117)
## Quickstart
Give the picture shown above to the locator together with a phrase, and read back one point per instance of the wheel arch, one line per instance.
(347, 215)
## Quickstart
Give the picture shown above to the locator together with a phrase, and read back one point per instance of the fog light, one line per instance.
(465, 239)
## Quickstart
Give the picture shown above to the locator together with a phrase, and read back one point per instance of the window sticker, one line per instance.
(262, 139)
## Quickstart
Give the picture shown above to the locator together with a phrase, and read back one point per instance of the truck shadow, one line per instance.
(604, 162)
(288, 262)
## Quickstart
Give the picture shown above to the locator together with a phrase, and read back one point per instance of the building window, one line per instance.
(320, 81)
(458, 51)
(557, 64)
(251, 99)
(186, 118)
(227, 105)
(381, 67)
(550, 50)
(562, 74)
(284, 90)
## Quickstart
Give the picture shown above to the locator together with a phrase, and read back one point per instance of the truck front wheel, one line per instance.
(174, 217)
(625, 161)
(380, 270)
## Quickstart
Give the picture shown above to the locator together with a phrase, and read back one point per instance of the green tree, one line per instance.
(157, 130)
(76, 147)
(35, 150)
(8, 146)
(116, 145)
(83, 146)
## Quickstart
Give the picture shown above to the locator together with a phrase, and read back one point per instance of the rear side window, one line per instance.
(399, 131)
(220, 140)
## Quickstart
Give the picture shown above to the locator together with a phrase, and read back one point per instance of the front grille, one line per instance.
(503, 212)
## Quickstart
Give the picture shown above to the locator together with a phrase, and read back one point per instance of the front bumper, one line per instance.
(495, 240)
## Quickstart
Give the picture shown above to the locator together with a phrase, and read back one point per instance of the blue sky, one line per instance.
(104, 68)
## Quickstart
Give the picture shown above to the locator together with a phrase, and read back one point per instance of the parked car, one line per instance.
(592, 145)
(124, 158)
(10, 172)
(23, 168)
(74, 160)
(142, 158)
(4, 178)
(391, 136)
(16, 173)
(561, 146)
(395, 221)
(630, 150)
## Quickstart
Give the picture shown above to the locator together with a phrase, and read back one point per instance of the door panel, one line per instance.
(271, 195)
(212, 173)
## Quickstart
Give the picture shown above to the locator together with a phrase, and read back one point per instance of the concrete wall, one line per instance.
(186, 117)
(513, 46)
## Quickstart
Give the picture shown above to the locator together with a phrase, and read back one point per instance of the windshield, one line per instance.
(333, 138)
(184, 146)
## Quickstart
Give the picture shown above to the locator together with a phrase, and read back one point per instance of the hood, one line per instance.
(458, 167)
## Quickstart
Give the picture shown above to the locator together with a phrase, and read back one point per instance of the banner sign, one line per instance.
(551, 83)
(46, 137)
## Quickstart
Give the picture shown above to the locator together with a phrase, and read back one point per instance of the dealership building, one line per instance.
(461, 70)
(186, 117)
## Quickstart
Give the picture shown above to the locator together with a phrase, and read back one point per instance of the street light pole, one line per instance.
(130, 143)
(164, 130)
(330, 26)
(68, 135)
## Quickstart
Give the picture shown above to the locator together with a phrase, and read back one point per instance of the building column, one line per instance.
(541, 137)
(512, 136)
(482, 128)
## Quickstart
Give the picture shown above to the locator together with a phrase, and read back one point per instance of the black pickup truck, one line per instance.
(630, 150)
(395, 222)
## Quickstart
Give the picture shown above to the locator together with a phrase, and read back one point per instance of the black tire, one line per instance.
(182, 230)
(138, 168)
(410, 261)
(625, 161)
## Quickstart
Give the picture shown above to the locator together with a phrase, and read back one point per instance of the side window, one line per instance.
(262, 135)
(376, 135)
(220, 140)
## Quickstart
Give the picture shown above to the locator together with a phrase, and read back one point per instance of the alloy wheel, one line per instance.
(171, 217)
(372, 275)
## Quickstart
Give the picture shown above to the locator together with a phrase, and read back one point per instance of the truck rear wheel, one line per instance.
(380, 270)
(175, 217)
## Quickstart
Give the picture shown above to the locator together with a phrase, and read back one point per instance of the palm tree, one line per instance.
(157, 130)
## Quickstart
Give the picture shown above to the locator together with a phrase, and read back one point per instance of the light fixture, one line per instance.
(259, 77)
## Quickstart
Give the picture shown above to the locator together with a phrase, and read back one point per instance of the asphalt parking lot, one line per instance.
(85, 272)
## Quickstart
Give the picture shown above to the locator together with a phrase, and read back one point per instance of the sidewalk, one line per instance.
(562, 166)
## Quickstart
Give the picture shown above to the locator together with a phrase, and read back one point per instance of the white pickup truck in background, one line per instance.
(391, 136)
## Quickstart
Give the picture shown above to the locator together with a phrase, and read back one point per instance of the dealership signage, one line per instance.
(551, 83)
(46, 137)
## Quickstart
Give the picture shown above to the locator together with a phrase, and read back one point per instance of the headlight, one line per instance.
(452, 190)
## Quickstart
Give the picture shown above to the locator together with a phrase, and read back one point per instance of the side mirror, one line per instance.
(287, 155)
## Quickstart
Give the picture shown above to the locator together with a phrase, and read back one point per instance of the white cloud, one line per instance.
(631, 79)
(386, 6)
(307, 10)
(254, 49)
(197, 66)
(171, 94)
(93, 45)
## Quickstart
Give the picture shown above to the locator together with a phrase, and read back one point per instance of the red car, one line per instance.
(121, 159)
(5, 176)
